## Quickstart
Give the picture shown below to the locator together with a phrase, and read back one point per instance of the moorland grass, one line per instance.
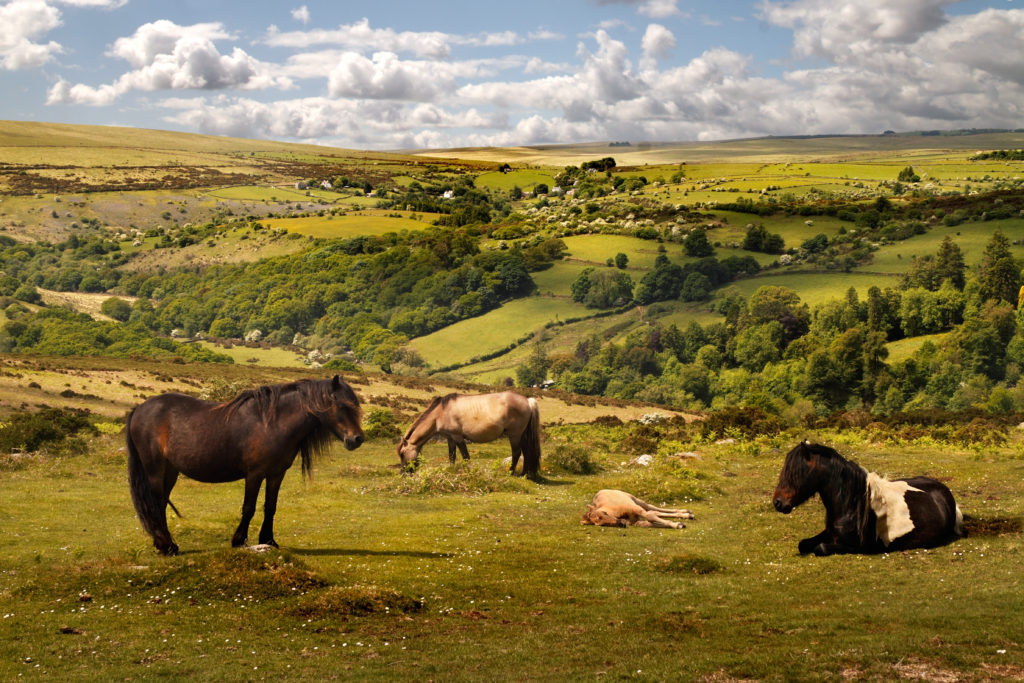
(374, 582)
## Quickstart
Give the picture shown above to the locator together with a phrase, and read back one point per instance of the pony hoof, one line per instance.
(271, 542)
(237, 542)
(170, 550)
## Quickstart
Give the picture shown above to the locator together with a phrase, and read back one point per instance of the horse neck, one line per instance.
(424, 428)
(845, 485)
(291, 414)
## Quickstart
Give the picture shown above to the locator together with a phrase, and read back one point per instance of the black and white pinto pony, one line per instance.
(865, 513)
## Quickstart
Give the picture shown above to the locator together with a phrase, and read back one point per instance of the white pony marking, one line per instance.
(888, 501)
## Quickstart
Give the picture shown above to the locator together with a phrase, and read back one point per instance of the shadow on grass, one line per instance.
(993, 526)
(360, 552)
(547, 481)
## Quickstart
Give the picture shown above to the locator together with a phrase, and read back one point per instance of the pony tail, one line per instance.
(531, 442)
(147, 506)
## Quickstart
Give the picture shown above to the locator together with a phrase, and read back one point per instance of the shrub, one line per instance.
(748, 421)
(32, 431)
(380, 424)
(572, 460)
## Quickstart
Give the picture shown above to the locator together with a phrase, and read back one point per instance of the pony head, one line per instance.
(599, 517)
(408, 453)
(802, 475)
(343, 414)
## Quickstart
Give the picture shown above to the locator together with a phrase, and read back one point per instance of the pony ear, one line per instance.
(336, 383)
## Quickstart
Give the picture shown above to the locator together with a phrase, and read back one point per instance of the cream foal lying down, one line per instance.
(618, 508)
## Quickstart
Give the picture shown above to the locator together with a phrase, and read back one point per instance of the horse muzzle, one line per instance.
(353, 442)
(782, 502)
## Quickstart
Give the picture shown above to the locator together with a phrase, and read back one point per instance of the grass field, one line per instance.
(448, 573)
(525, 179)
(905, 348)
(368, 222)
(256, 193)
(493, 330)
(817, 287)
(972, 238)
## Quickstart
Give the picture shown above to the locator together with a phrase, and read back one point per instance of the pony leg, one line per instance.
(252, 490)
(655, 520)
(665, 512)
(516, 452)
(161, 484)
(463, 450)
(808, 545)
(451, 451)
(269, 508)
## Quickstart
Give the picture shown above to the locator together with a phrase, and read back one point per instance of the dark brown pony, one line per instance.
(478, 418)
(865, 513)
(254, 437)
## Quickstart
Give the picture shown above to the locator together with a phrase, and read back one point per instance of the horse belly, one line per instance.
(210, 460)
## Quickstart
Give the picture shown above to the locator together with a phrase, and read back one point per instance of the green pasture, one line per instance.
(286, 195)
(597, 249)
(274, 357)
(525, 179)
(905, 348)
(455, 572)
(557, 280)
(564, 338)
(493, 330)
(350, 225)
(816, 287)
(972, 238)
(793, 229)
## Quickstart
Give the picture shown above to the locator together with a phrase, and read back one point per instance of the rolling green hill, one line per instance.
(425, 262)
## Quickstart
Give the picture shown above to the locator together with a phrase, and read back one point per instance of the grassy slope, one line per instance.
(508, 576)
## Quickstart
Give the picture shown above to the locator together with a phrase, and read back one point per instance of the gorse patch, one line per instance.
(572, 459)
(33, 431)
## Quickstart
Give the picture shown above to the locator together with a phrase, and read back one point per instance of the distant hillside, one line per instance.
(795, 148)
(52, 157)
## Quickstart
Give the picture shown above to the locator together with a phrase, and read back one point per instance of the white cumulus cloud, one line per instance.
(22, 24)
(301, 14)
(167, 56)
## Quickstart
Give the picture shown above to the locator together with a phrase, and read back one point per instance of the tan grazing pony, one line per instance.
(479, 418)
(618, 508)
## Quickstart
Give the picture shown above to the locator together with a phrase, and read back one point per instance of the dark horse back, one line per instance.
(936, 517)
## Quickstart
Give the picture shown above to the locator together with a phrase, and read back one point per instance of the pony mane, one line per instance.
(434, 403)
(849, 481)
(315, 396)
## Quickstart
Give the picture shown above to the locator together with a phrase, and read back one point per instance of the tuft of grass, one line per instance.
(226, 574)
(463, 477)
(342, 601)
(691, 564)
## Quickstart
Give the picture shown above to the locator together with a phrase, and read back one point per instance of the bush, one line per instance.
(32, 431)
(572, 460)
(380, 424)
(746, 421)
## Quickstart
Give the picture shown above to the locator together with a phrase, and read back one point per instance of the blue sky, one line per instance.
(414, 74)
